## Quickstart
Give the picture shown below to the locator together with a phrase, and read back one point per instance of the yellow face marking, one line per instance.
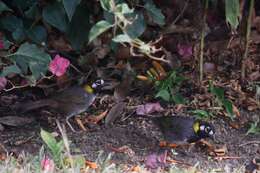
(196, 127)
(88, 89)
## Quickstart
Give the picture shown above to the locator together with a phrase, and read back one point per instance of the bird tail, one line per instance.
(33, 105)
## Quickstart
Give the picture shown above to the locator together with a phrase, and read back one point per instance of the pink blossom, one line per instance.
(2, 44)
(58, 66)
(47, 165)
(3, 82)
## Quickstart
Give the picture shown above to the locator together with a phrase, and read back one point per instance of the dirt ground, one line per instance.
(137, 137)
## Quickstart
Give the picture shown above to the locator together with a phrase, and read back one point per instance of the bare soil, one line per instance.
(133, 139)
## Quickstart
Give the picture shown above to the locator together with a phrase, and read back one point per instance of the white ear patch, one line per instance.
(211, 132)
(202, 128)
(94, 85)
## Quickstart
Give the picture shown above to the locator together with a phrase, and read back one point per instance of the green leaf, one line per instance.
(54, 146)
(12, 69)
(138, 26)
(178, 98)
(78, 29)
(56, 16)
(106, 5)
(218, 92)
(229, 107)
(254, 129)
(11, 23)
(19, 34)
(70, 7)
(122, 38)
(155, 13)
(123, 8)
(23, 4)
(201, 114)
(232, 12)
(3, 7)
(33, 12)
(98, 29)
(32, 57)
(38, 34)
(164, 94)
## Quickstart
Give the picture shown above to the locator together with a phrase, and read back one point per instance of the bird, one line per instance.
(69, 102)
(181, 130)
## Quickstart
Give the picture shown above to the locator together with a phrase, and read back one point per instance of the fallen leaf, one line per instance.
(185, 50)
(15, 120)
(58, 66)
(149, 108)
(156, 160)
(79, 122)
(3, 82)
(91, 164)
(1, 44)
(115, 112)
(98, 118)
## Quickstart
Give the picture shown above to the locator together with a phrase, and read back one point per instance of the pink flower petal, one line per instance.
(58, 66)
(47, 164)
(3, 82)
(149, 108)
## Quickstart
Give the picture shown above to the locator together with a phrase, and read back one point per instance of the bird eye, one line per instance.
(208, 129)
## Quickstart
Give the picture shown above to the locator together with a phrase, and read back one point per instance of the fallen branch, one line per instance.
(248, 143)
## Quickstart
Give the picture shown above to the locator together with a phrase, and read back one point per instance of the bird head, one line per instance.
(95, 86)
(204, 129)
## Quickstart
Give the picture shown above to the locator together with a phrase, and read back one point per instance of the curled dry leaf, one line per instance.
(91, 164)
(98, 118)
(149, 108)
(115, 112)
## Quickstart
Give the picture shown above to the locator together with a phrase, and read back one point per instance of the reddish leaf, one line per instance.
(3, 82)
(2, 44)
(185, 50)
(156, 160)
(58, 66)
(149, 108)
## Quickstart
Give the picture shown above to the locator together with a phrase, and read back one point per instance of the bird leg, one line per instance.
(67, 121)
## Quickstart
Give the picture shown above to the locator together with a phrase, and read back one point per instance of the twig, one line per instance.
(181, 13)
(227, 157)
(248, 143)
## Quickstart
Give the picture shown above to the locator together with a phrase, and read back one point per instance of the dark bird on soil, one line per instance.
(183, 130)
(69, 102)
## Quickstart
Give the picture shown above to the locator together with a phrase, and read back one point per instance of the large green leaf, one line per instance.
(154, 12)
(79, 26)
(164, 94)
(232, 12)
(122, 38)
(123, 8)
(56, 16)
(38, 34)
(12, 69)
(3, 7)
(70, 7)
(138, 26)
(98, 29)
(23, 4)
(29, 56)
(106, 5)
(10, 23)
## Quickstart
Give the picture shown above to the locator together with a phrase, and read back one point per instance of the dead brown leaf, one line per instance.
(115, 112)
